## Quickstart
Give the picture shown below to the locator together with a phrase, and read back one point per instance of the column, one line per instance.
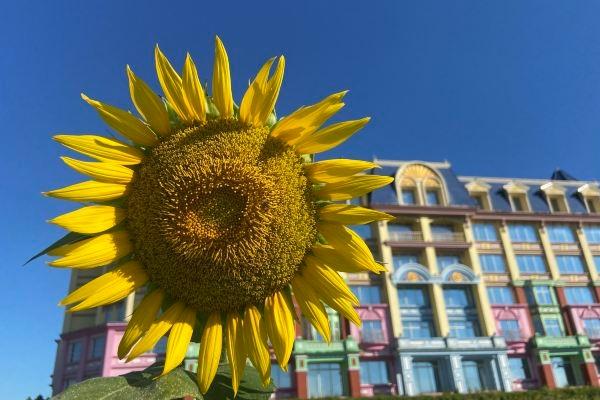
(587, 254)
(407, 375)
(390, 287)
(511, 260)
(552, 266)
(502, 360)
(483, 304)
(546, 369)
(562, 301)
(457, 373)
(301, 376)
(437, 293)
(353, 375)
(589, 369)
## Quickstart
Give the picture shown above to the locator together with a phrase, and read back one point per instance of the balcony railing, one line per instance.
(512, 335)
(406, 236)
(448, 236)
(593, 333)
(372, 336)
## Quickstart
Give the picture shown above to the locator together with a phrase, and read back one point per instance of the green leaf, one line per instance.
(141, 385)
(70, 237)
(251, 387)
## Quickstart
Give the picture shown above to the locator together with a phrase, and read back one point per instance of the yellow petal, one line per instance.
(111, 287)
(306, 120)
(311, 306)
(89, 191)
(236, 350)
(330, 137)
(124, 122)
(279, 319)
(158, 329)
(148, 104)
(221, 85)
(172, 86)
(255, 339)
(352, 187)
(335, 170)
(192, 90)
(101, 148)
(351, 215)
(343, 262)
(210, 351)
(179, 339)
(141, 320)
(101, 171)
(261, 96)
(90, 219)
(326, 280)
(97, 251)
(346, 241)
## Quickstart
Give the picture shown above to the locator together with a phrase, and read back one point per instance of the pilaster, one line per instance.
(457, 373)
(353, 375)
(504, 372)
(551, 260)
(301, 371)
(546, 369)
(390, 289)
(407, 375)
(511, 260)
(587, 254)
(439, 310)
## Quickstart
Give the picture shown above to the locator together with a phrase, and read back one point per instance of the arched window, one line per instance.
(420, 185)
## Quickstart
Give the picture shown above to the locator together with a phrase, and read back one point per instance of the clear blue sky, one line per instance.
(504, 88)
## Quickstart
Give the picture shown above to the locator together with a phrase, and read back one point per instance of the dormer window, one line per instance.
(557, 204)
(590, 194)
(592, 205)
(518, 202)
(479, 191)
(420, 185)
(555, 196)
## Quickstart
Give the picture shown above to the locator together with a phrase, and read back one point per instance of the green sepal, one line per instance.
(251, 387)
(140, 385)
(69, 238)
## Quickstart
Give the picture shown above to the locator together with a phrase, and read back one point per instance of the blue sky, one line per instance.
(505, 88)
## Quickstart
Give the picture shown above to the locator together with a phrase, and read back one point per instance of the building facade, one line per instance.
(492, 284)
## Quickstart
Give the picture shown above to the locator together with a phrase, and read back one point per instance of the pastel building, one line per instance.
(492, 285)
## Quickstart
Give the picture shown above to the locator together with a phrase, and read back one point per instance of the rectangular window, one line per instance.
(433, 197)
(509, 328)
(472, 371)
(552, 327)
(457, 297)
(492, 263)
(74, 352)
(417, 329)
(282, 379)
(531, 264)
(402, 259)
(444, 261)
(597, 262)
(592, 327)
(413, 297)
(325, 380)
(442, 229)
(554, 203)
(519, 368)
(560, 233)
(479, 199)
(367, 294)
(485, 232)
(543, 295)
(592, 233)
(408, 196)
(500, 295)
(579, 295)
(463, 329)
(374, 372)
(97, 348)
(570, 264)
(522, 233)
(427, 377)
(372, 331)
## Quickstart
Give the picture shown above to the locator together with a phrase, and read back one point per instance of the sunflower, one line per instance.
(222, 212)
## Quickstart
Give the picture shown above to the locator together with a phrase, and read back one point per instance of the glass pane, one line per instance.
(324, 379)
(592, 233)
(433, 197)
(281, 379)
(579, 295)
(367, 294)
(408, 196)
(426, 377)
(402, 259)
(543, 295)
(531, 264)
(570, 264)
(519, 369)
(552, 327)
(373, 372)
(500, 295)
(522, 233)
(492, 263)
(444, 261)
(472, 376)
(417, 329)
(560, 233)
(413, 297)
(457, 297)
(485, 232)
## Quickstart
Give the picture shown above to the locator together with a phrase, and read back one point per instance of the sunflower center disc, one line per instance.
(221, 215)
